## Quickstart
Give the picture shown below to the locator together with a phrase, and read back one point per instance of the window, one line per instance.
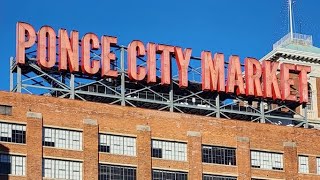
(217, 177)
(111, 172)
(318, 165)
(6, 110)
(303, 164)
(117, 144)
(169, 175)
(66, 139)
(219, 155)
(12, 133)
(266, 160)
(62, 169)
(12, 164)
(169, 150)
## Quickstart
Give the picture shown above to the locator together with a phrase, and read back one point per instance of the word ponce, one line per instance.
(258, 80)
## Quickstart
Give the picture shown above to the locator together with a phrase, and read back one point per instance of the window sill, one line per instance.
(13, 175)
(268, 169)
(168, 159)
(117, 154)
(215, 164)
(50, 147)
(5, 142)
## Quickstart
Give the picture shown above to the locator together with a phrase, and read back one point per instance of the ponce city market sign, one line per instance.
(258, 80)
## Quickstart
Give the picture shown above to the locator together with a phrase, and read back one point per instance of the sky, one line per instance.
(247, 28)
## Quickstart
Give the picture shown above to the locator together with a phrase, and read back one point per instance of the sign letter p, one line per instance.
(26, 37)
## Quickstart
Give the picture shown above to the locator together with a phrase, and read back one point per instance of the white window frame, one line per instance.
(63, 138)
(303, 164)
(120, 145)
(62, 169)
(267, 160)
(18, 163)
(171, 150)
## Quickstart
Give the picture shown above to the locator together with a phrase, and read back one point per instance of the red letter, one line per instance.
(165, 51)
(252, 76)
(68, 52)
(151, 63)
(303, 82)
(183, 59)
(270, 81)
(108, 56)
(136, 48)
(88, 42)
(286, 82)
(46, 39)
(235, 76)
(24, 30)
(212, 71)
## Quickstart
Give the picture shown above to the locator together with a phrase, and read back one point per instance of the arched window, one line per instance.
(309, 104)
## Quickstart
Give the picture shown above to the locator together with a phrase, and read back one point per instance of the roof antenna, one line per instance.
(291, 19)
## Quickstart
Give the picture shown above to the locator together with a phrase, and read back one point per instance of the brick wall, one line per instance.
(144, 124)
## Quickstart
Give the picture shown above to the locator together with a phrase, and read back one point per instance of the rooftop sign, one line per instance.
(258, 80)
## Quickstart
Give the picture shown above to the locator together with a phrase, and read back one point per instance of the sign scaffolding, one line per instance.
(162, 94)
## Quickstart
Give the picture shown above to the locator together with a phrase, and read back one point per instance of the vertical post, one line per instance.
(144, 152)
(72, 86)
(218, 106)
(312, 164)
(11, 73)
(291, 19)
(123, 90)
(305, 116)
(243, 158)
(19, 82)
(34, 145)
(90, 149)
(171, 88)
(171, 96)
(262, 119)
(290, 160)
(194, 154)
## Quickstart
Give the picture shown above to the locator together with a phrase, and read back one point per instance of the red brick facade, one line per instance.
(92, 118)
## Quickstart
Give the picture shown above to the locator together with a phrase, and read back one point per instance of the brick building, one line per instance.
(70, 139)
(126, 133)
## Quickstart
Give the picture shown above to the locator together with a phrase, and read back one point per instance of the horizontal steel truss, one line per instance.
(67, 85)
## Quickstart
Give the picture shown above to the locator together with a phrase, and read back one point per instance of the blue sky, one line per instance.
(247, 28)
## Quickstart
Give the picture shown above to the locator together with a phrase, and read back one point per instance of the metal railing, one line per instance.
(297, 39)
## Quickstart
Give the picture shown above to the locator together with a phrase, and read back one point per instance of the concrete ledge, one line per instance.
(34, 115)
(289, 144)
(90, 122)
(143, 128)
(193, 134)
(243, 139)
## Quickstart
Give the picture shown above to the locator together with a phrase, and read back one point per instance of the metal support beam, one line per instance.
(71, 86)
(305, 116)
(123, 76)
(218, 106)
(19, 83)
(11, 74)
(262, 115)
(171, 96)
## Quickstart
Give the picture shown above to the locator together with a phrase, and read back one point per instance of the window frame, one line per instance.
(62, 138)
(221, 152)
(169, 150)
(267, 160)
(117, 144)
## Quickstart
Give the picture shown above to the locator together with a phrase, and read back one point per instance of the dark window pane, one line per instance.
(168, 175)
(111, 172)
(219, 155)
(157, 152)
